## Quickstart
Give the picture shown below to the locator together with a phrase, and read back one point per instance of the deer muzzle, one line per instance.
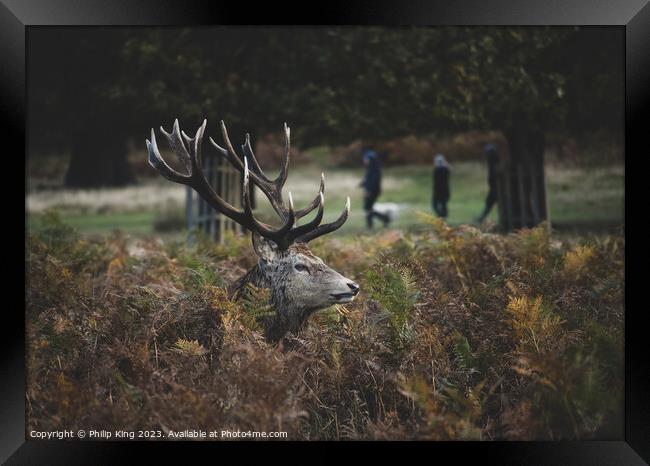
(347, 296)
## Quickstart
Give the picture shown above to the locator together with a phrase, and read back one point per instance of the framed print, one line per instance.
(383, 226)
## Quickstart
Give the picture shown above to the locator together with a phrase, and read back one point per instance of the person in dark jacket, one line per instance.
(492, 157)
(372, 186)
(441, 193)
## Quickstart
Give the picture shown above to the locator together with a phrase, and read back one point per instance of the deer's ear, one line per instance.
(265, 248)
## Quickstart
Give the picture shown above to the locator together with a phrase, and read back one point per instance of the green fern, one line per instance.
(255, 306)
(463, 352)
(394, 287)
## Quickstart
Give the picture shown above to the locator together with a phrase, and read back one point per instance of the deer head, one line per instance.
(300, 282)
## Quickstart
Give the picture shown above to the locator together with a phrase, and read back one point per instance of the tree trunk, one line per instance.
(522, 191)
(98, 161)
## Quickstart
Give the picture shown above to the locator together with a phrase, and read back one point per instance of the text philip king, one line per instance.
(105, 434)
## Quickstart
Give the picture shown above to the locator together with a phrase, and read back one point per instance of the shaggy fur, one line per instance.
(300, 284)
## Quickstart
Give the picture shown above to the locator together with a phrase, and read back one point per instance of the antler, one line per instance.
(189, 153)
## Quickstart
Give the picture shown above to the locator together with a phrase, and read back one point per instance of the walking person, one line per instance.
(492, 157)
(372, 187)
(441, 192)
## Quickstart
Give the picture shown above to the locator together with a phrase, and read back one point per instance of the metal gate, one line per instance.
(227, 183)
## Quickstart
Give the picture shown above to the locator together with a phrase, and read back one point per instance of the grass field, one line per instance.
(580, 197)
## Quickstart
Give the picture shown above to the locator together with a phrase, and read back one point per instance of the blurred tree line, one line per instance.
(92, 90)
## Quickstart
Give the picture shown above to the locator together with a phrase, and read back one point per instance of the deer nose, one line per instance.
(354, 287)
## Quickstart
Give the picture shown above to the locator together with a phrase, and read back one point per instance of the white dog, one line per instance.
(389, 208)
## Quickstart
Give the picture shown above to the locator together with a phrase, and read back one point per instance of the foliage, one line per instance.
(576, 261)
(334, 84)
(371, 82)
(412, 149)
(394, 287)
(189, 347)
(457, 334)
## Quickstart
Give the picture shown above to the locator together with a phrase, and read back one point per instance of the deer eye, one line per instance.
(301, 268)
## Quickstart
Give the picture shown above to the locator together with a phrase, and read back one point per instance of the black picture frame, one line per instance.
(16, 16)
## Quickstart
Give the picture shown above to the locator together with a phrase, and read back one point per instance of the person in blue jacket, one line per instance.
(372, 186)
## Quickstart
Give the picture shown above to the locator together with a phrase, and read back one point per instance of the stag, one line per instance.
(300, 283)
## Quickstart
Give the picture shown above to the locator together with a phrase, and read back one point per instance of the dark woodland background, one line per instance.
(94, 96)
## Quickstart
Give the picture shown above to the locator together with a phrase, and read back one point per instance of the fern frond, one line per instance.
(189, 347)
(463, 352)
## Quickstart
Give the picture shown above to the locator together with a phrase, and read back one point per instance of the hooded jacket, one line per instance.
(372, 179)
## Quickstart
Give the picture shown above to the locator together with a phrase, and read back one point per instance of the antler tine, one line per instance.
(328, 227)
(188, 140)
(234, 158)
(228, 152)
(176, 143)
(248, 151)
(195, 178)
(157, 162)
(302, 212)
(279, 236)
(284, 170)
(307, 227)
(197, 159)
(269, 188)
